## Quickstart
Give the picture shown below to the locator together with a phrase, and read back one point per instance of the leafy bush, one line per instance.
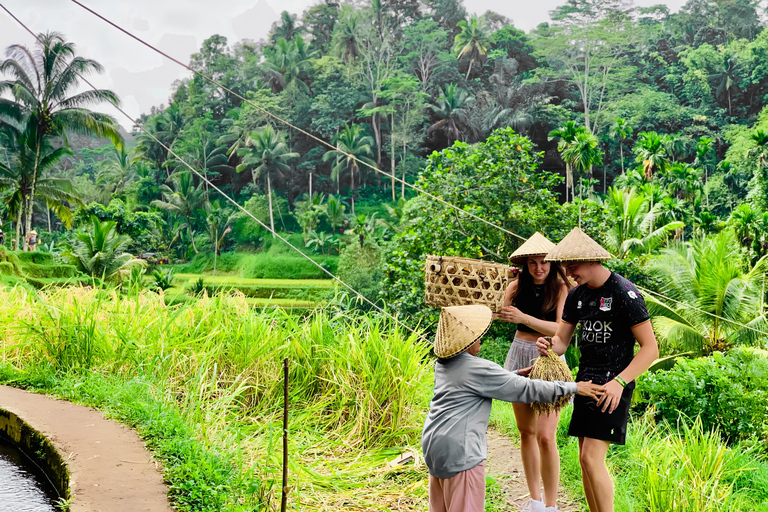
(41, 258)
(727, 391)
(360, 268)
(163, 278)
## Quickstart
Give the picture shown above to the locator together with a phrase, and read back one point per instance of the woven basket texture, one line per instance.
(454, 281)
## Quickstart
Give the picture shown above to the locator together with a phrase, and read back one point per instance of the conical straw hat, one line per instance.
(577, 246)
(536, 245)
(459, 327)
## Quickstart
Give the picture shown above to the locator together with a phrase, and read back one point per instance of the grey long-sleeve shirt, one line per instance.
(453, 439)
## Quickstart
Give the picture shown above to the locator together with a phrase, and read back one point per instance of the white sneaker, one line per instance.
(533, 506)
(551, 509)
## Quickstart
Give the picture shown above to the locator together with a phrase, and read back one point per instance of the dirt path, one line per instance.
(504, 464)
(110, 468)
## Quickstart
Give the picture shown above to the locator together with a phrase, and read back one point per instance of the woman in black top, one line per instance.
(535, 302)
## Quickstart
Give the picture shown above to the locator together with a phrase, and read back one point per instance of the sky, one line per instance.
(142, 78)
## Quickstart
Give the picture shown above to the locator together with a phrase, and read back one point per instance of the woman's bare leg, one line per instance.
(529, 449)
(546, 437)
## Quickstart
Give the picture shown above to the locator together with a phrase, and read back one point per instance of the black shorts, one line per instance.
(589, 420)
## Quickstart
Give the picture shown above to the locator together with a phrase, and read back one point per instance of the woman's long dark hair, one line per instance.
(551, 285)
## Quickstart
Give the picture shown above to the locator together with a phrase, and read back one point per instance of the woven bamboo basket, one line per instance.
(453, 281)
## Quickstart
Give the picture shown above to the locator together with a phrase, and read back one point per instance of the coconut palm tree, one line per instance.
(683, 180)
(453, 112)
(265, 154)
(351, 146)
(288, 29)
(711, 291)
(286, 62)
(184, 200)
(651, 152)
(632, 220)
(117, 169)
(726, 79)
(583, 153)
(621, 130)
(100, 252)
(472, 42)
(43, 85)
(334, 211)
(567, 135)
(25, 148)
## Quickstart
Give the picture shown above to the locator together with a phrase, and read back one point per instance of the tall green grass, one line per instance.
(359, 390)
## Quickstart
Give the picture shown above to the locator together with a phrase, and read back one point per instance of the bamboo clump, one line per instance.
(550, 367)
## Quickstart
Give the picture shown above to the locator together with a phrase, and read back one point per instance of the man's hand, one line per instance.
(523, 372)
(543, 344)
(612, 396)
(586, 388)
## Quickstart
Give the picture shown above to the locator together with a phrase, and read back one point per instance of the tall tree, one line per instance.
(265, 154)
(452, 111)
(184, 200)
(621, 130)
(351, 146)
(567, 137)
(472, 42)
(650, 151)
(43, 85)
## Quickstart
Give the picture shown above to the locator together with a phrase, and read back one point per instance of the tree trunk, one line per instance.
(469, 69)
(402, 185)
(621, 150)
(310, 186)
(377, 135)
(392, 143)
(352, 188)
(192, 235)
(31, 196)
(18, 226)
(269, 197)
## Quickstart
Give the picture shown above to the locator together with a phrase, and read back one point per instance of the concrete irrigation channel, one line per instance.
(99, 463)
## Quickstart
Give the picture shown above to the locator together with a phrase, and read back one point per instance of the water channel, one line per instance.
(23, 487)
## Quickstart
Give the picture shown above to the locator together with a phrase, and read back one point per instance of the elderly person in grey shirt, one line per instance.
(453, 440)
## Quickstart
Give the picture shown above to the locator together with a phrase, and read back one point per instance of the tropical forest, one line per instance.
(277, 210)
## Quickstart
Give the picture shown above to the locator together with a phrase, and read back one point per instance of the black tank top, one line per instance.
(530, 303)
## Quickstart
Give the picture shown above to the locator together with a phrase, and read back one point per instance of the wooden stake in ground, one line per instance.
(284, 497)
(550, 367)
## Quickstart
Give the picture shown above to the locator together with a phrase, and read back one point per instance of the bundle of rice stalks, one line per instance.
(550, 367)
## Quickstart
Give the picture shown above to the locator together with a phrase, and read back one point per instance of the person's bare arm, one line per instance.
(560, 340)
(649, 351)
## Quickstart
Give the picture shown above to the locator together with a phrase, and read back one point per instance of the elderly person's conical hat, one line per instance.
(459, 328)
(536, 245)
(577, 246)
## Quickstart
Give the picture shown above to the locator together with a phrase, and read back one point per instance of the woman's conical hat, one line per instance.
(577, 246)
(459, 327)
(536, 245)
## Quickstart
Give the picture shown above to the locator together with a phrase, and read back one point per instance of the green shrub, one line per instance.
(46, 270)
(41, 258)
(308, 293)
(266, 266)
(6, 268)
(728, 391)
(360, 268)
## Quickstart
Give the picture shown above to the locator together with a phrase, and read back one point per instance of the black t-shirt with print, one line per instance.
(607, 315)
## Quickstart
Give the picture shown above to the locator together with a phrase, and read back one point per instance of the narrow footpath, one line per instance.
(110, 468)
(504, 464)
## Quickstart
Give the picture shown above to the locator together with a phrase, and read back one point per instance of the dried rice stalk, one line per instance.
(549, 368)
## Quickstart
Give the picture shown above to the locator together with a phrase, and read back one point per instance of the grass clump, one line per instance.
(203, 383)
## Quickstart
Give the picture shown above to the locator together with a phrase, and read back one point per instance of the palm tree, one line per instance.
(286, 62)
(117, 169)
(744, 220)
(704, 147)
(335, 212)
(43, 85)
(621, 130)
(726, 78)
(100, 252)
(472, 42)
(264, 154)
(184, 200)
(24, 148)
(348, 44)
(651, 152)
(583, 153)
(683, 181)
(288, 29)
(632, 220)
(567, 135)
(452, 110)
(711, 289)
(219, 221)
(351, 146)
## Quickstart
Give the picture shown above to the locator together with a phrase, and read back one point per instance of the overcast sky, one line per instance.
(143, 78)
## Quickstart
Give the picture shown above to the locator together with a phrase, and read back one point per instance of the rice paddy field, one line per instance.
(202, 383)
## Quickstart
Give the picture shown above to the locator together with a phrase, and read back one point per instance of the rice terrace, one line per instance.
(254, 260)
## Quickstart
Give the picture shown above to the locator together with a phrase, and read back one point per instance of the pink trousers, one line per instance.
(464, 492)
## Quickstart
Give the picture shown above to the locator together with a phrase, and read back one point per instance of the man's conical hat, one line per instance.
(459, 328)
(536, 245)
(577, 246)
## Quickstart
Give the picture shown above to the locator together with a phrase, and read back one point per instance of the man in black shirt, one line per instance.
(613, 316)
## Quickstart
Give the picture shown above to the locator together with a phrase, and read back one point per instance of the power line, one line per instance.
(291, 125)
(204, 178)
